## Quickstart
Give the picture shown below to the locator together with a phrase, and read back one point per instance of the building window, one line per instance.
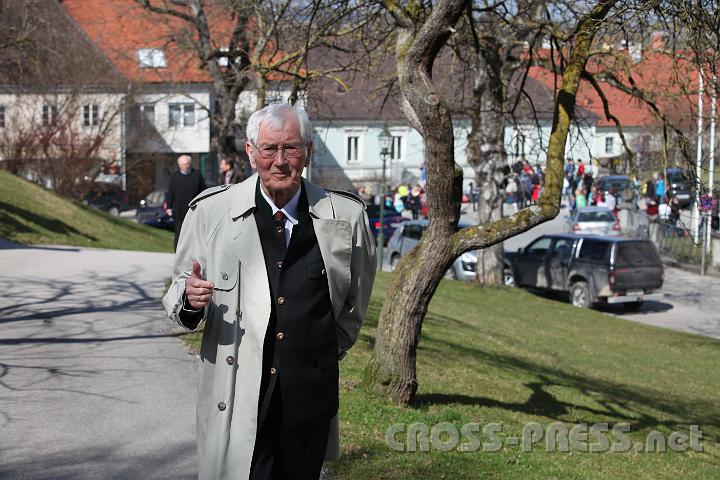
(396, 149)
(181, 115)
(49, 115)
(146, 114)
(352, 149)
(609, 145)
(2, 116)
(91, 115)
(151, 58)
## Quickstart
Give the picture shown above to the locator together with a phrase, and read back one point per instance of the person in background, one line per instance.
(610, 201)
(660, 186)
(185, 184)
(580, 200)
(414, 202)
(228, 173)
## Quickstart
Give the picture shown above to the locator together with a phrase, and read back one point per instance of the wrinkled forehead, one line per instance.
(285, 128)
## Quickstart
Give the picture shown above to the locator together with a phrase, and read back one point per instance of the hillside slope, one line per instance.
(31, 214)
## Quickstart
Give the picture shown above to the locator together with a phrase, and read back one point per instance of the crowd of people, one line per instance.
(401, 198)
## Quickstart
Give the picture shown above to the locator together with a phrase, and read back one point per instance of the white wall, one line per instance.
(23, 112)
(178, 139)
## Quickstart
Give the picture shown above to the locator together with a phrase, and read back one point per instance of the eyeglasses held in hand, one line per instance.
(291, 150)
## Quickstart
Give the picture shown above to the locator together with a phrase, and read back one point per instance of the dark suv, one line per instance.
(680, 187)
(591, 269)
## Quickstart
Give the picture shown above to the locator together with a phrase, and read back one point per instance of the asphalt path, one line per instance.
(93, 383)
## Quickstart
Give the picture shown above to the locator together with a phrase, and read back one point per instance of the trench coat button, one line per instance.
(279, 264)
(280, 230)
(281, 300)
(230, 360)
(273, 371)
(224, 276)
(280, 336)
(221, 406)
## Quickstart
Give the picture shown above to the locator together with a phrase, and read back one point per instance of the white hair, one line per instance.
(277, 114)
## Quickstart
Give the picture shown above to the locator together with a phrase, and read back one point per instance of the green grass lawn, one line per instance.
(31, 214)
(504, 355)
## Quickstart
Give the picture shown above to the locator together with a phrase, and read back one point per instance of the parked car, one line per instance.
(152, 211)
(680, 187)
(614, 184)
(593, 221)
(391, 220)
(408, 234)
(591, 269)
(108, 198)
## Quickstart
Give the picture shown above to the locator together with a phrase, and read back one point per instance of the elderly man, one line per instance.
(185, 184)
(281, 271)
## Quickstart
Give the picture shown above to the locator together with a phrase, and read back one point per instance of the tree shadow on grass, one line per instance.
(617, 401)
(53, 225)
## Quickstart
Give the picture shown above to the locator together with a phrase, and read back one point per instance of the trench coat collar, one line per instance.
(243, 199)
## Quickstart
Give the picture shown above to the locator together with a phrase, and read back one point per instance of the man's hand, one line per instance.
(198, 292)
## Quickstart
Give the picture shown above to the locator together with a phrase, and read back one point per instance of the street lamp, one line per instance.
(385, 140)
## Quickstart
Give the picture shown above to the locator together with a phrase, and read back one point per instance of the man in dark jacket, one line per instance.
(228, 173)
(185, 184)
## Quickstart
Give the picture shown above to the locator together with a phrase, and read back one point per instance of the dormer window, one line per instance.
(151, 58)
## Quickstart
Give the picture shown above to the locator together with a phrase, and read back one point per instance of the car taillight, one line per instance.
(576, 227)
(378, 224)
(616, 226)
(611, 279)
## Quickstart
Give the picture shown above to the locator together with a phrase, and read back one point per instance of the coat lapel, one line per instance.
(244, 240)
(334, 238)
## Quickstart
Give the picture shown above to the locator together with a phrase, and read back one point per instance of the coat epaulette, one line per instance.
(349, 195)
(209, 192)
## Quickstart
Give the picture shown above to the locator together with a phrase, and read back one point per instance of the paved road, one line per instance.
(92, 383)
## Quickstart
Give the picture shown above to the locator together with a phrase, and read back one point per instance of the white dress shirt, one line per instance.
(290, 211)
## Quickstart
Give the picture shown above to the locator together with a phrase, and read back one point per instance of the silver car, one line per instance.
(593, 221)
(408, 234)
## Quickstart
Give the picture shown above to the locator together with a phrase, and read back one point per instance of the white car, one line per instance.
(593, 221)
(408, 234)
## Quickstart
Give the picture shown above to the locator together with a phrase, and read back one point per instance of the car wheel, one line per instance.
(632, 306)
(580, 295)
(114, 211)
(394, 260)
(508, 278)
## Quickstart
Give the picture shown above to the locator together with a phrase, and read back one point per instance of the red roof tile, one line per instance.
(121, 27)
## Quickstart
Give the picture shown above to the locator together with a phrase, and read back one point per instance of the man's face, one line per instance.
(184, 164)
(281, 172)
(224, 167)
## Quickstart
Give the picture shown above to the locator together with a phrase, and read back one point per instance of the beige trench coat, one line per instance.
(220, 232)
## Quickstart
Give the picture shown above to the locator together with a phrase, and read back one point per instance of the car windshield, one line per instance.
(155, 198)
(636, 254)
(677, 177)
(614, 183)
(373, 211)
(595, 217)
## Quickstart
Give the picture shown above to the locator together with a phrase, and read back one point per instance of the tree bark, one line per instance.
(486, 150)
(392, 367)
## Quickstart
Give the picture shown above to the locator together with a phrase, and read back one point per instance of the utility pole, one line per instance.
(711, 159)
(385, 140)
(695, 223)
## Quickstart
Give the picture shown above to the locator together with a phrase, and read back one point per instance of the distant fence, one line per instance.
(672, 240)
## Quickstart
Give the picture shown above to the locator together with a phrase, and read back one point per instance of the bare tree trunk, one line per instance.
(391, 370)
(486, 151)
